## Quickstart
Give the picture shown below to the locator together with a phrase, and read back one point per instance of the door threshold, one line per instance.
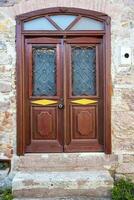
(62, 153)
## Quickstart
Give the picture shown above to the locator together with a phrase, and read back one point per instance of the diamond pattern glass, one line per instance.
(83, 71)
(44, 71)
(63, 21)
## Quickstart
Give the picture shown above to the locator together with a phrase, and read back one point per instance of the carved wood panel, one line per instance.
(44, 123)
(83, 132)
(85, 123)
(84, 118)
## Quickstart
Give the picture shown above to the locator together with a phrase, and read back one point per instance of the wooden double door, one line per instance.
(64, 100)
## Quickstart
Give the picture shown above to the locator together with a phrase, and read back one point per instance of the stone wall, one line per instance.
(122, 34)
(7, 81)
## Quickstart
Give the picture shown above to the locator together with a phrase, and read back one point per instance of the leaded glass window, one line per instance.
(88, 24)
(58, 22)
(44, 71)
(63, 21)
(38, 24)
(83, 71)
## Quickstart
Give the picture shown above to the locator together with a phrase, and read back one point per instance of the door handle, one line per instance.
(61, 106)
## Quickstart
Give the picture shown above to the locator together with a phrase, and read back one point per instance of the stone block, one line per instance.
(6, 119)
(4, 58)
(8, 2)
(2, 45)
(64, 162)
(9, 151)
(125, 176)
(128, 158)
(122, 145)
(62, 184)
(4, 104)
(125, 168)
(5, 86)
(123, 122)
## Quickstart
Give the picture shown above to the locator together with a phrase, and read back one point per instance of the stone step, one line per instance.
(93, 183)
(64, 198)
(64, 162)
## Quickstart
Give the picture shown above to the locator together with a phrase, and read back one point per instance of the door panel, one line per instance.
(43, 123)
(84, 122)
(84, 95)
(44, 88)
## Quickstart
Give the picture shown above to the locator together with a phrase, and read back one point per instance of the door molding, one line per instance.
(22, 35)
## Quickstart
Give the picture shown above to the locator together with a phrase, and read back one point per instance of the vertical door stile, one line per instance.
(28, 90)
(64, 48)
(60, 83)
(67, 79)
(101, 93)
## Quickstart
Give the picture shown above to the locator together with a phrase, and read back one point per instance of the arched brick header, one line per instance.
(90, 13)
(25, 6)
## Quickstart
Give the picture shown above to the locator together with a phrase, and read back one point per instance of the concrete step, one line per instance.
(69, 184)
(64, 162)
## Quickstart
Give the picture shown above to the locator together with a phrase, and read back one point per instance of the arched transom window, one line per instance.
(63, 22)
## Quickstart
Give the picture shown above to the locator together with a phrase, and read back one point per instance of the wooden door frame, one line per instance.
(21, 35)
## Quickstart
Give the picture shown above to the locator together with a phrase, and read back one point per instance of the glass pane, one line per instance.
(38, 24)
(88, 24)
(44, 71)
(63, 21)
(83, 71)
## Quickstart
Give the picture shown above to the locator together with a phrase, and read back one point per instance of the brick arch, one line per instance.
(53, 10)
(31, 5)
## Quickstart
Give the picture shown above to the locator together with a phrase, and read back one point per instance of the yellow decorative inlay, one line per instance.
(44, 102)
(84, 101)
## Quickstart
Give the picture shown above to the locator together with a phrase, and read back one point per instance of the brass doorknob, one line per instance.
(61, 106)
